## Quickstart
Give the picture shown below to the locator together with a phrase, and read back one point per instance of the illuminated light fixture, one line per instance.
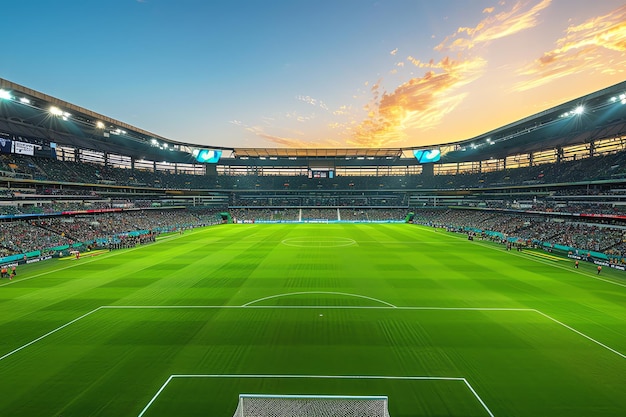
(622, 96)
(55, 111)
(5, 94)
(154, 142)
(24, 100)
(579, 110)
(99, 124)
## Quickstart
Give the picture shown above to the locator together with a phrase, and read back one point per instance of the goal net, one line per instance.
(258, 405)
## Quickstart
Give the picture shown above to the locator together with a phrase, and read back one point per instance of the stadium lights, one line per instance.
(579, 110)
(24, 100)
(4, 94)
(99, 124)
(55, 111)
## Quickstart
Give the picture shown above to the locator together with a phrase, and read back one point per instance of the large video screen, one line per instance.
(425, 156)
(207, 156)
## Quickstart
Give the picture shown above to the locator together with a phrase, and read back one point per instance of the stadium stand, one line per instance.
(77, 184)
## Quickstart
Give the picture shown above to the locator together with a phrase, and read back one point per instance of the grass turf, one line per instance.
(443, 326)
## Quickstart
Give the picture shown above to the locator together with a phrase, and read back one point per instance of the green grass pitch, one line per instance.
(441, 325)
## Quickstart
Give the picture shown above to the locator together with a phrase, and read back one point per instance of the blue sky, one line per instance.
(322, 73)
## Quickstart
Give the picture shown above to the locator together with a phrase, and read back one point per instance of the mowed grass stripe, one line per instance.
(236, 264)
(487, 347)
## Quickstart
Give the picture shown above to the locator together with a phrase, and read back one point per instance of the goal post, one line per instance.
(263, 405)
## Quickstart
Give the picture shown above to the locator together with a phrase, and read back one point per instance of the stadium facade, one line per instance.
(567, 162)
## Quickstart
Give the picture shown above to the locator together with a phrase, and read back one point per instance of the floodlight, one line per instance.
(99, 124)
(24, 100)
(5, 94)
(55, 111)
(579, 110)
(622, 96)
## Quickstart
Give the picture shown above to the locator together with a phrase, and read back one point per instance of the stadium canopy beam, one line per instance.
(317, 153)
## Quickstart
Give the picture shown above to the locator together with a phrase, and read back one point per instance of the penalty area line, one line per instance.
(287, 376)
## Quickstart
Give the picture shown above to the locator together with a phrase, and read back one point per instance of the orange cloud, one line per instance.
(586, 47)
(419, 102)
(495, 26)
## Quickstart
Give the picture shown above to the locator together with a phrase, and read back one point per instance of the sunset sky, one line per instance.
(315, 73)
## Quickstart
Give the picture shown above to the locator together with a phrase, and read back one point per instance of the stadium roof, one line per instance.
(598, 115)
(317, 153)
(26, 112)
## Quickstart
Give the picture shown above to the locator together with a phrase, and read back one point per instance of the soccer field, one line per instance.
(441, 325)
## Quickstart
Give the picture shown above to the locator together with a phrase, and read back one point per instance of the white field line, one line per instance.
(121, 307)
(536, 259)
(48, 334)
(477, 397)
(319, 292)
(155, 396)
(83, 261)
(581, 334)
(267, 376)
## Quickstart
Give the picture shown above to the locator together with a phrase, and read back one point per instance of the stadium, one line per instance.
(151, 277)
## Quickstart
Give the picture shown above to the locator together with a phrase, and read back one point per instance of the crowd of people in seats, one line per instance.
(17, 237)
(585, 169)
(244, 215)
(606, 238)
